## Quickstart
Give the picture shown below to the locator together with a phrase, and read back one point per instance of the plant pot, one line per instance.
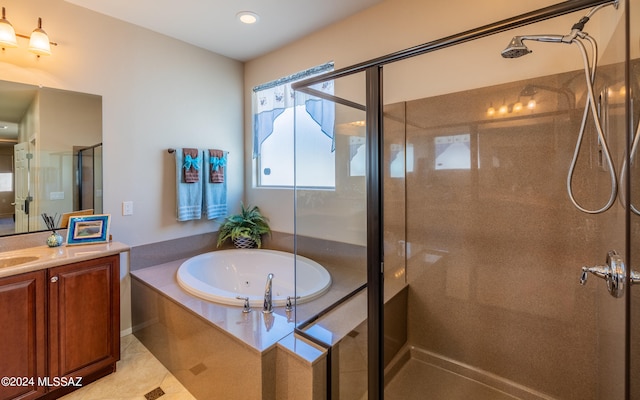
(244, 243)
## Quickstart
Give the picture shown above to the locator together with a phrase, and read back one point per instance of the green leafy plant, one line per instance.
(250, 223)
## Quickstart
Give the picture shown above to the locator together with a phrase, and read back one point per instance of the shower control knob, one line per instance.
(288, 306)
(599, 271)
(614, 273)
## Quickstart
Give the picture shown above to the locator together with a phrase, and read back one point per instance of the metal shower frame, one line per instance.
(374, 150)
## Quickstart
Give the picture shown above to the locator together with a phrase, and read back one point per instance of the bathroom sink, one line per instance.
(17, 260)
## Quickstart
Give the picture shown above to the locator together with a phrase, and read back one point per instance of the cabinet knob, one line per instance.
(54, 279)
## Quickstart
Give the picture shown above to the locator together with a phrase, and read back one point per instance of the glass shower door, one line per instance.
(634, 200)
(331, 227)
(495, 246)
(88, 183)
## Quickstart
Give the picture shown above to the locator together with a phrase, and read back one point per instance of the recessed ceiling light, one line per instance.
(247, 17)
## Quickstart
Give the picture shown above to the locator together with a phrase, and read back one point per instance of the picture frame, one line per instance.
(64, 222)
(88, 229)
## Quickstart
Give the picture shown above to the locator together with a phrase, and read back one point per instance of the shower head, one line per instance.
(517, 49)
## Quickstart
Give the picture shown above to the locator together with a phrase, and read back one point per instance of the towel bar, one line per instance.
(171, 151)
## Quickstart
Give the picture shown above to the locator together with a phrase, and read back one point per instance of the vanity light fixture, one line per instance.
(39, 43)
(511, 108)
(7, 33)
(247, 17)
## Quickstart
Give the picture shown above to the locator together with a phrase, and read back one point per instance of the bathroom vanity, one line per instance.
(59, 318)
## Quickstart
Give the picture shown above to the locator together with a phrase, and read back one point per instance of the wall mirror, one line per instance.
(50, 155)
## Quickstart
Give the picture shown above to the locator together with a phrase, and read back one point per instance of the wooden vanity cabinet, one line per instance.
(80, 303)
(84, 319)
(22, 342)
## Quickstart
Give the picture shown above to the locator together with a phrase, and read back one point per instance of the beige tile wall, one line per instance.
(496, 250)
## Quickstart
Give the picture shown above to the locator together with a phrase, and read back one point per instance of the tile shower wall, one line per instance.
(495, 246)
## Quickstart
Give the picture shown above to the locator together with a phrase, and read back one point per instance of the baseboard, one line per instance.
(479, 375)
(126, 332)
(397, 362)
(467, 371)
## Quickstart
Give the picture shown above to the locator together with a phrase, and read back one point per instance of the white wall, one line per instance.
(395, 25)
(157, 93)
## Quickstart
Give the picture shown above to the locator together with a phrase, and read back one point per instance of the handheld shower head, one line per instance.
(516, 47)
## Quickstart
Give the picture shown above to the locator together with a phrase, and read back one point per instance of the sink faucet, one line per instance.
(267, 308)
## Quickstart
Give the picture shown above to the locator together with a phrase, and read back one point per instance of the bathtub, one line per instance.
(222, 276)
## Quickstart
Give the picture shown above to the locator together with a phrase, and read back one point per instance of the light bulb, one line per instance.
(39, 41)
(531, 104)
(517, 107)
(491, 111)
(7, 33)
(503, 109)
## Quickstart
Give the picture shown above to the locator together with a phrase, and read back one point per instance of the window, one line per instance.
(276, 108)
(453, 152)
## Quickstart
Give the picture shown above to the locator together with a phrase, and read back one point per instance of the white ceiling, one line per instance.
(212, 24)
(14, 102)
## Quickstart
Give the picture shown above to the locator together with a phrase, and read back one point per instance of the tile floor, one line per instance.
(139, 376)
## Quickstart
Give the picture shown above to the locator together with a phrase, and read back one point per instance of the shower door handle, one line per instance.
(614, 273)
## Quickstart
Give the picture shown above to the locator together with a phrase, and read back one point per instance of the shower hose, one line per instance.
(590, 105)
(634, 149)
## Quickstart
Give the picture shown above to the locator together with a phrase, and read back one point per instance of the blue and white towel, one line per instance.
(189, 195)
(215, 194)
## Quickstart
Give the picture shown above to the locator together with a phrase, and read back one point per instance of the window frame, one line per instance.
(290, 100)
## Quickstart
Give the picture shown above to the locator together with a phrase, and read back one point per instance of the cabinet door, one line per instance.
(84, 317)
(22, 341)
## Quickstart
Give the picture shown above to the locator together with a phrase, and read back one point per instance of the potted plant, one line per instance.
(244, 229)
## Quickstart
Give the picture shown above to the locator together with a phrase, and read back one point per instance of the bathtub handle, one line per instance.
(289, 306)
(246, 308)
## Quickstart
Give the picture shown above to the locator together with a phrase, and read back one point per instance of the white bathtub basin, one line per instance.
(222, 276)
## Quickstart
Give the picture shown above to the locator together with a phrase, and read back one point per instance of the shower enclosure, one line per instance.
(483, 229)
(88, 183)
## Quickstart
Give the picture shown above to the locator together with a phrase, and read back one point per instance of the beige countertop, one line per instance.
(14, 262)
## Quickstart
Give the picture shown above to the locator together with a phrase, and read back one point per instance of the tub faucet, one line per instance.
(267, 308)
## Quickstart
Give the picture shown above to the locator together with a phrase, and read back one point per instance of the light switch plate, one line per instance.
(56, 195)
(127, 208)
